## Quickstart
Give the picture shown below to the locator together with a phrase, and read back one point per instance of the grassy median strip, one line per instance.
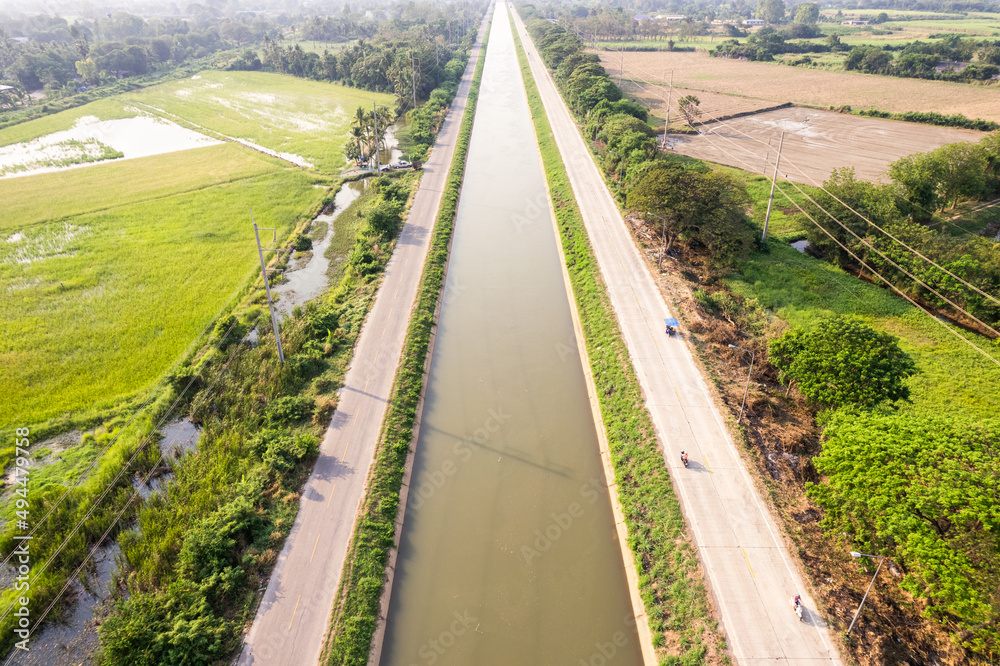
(670, 579)
(355, 615)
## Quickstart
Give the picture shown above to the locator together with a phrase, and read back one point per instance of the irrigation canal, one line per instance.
(508, 553)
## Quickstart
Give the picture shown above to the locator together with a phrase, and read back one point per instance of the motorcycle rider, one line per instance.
(684, 458)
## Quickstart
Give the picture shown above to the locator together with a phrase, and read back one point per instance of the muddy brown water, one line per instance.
(509, 553)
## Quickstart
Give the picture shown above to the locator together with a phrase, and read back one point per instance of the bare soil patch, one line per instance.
(655, 97)
(810, 87)
(816, 143)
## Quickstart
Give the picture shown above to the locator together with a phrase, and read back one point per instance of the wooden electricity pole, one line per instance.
(774, 181)
(267, 285)
(666, 124)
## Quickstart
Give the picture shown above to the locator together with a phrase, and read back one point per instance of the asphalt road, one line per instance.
(750, 571)
(293, 618)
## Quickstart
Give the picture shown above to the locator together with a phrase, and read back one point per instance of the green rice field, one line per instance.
(306, 119)
(112, 271)
(309, 119)
(109, 282)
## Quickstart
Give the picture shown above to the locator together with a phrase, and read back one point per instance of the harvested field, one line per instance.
(655, 99)
(808, 87)
(816, 142)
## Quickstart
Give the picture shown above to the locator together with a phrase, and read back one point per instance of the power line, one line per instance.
(118, 477)
(111, 443)
(69, 581)
(841, 202)
(927, 354)
(897, 266)
(873, 271)
(865, 242)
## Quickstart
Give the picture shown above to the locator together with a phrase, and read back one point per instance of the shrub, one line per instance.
(289, 409)
(844, 362)
(177, 627)
(283, 453)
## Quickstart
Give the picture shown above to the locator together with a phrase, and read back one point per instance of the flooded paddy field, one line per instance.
(118, 258)
(304, 123)
(99, 303)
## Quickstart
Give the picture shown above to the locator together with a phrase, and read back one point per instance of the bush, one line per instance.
(302, 243)
(844, 362)
(289, 409)
(227, 331)
(176, 627)
(283, 453)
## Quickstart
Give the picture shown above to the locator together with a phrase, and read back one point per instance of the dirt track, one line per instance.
(816, 143)
(801, 85)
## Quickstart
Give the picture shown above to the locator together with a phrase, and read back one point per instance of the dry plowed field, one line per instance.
(816, 143)
(655, 99)
(781, 83)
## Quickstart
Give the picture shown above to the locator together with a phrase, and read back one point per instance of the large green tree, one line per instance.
(843, 362)
(924, 492)
(807, 13)
(962, 172)
(918, 176)
(707, 208)
(843, 194)
(772, 11)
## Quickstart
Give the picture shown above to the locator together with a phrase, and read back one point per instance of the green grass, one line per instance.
(34, 199)
(801, 289)
(673, 596)
(954, 378)
(284, 113)
(350, 221)
(115, 292)
(356, 612)
(785, 222)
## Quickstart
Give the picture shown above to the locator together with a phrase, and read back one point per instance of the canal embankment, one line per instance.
(668, 572)
(509, 551)
(357, 611)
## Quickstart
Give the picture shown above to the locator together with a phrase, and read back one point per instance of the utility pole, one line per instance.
(413, 79)
(621, 65)
(378, 157)
(774, 180)
(267, 284)
(666, 124)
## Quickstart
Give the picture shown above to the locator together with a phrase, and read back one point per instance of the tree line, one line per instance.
(922, 184)
(874, 455)
(979, 59)
(60, 57)
(683, 200)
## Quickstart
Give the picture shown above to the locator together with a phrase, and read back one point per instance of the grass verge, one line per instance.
(670, 580)
(355, 614)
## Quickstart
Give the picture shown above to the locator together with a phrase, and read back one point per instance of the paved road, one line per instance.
(293, 617)
(750, 571)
